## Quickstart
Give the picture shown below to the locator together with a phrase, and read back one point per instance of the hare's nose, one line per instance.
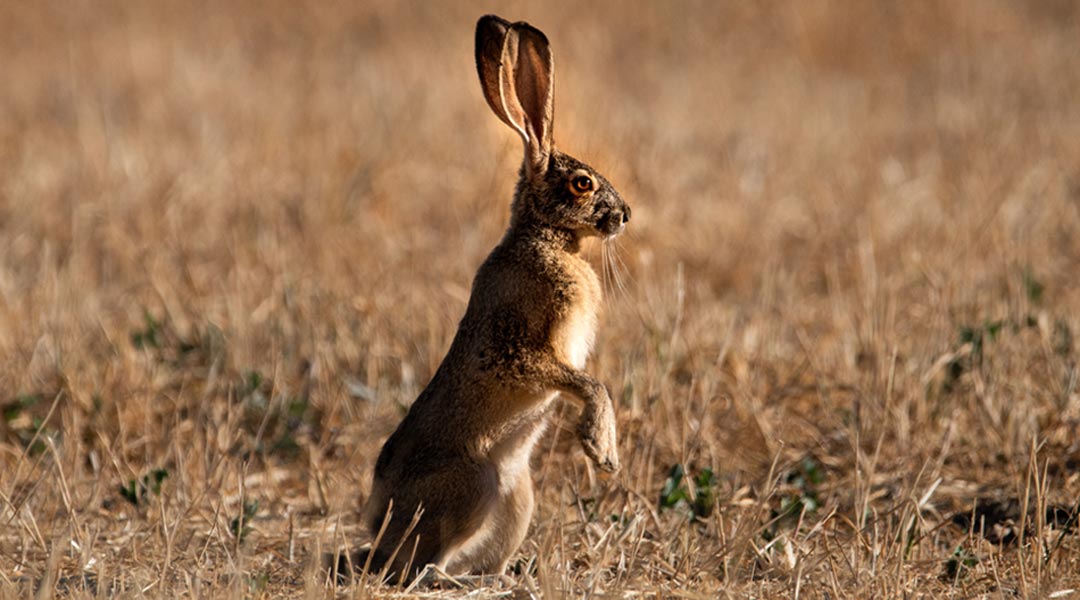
(626, 214)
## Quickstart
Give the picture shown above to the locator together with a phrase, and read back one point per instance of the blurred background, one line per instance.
(243, 233)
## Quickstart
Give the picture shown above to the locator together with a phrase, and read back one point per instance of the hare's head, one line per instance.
(517, 76)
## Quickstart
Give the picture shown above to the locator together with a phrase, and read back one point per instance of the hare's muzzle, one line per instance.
(614, 221)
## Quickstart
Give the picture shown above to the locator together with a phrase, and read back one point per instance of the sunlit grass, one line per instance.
(235, 241)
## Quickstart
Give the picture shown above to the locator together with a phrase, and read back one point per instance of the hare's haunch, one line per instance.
(461, 455)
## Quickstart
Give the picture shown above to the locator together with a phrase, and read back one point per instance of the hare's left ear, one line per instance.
(517, 75)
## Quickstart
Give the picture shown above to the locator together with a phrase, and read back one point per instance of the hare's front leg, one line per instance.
(596, 429)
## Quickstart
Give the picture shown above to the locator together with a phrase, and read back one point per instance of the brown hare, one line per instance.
(461, 454)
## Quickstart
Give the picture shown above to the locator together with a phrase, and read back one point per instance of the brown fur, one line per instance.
(462, 452)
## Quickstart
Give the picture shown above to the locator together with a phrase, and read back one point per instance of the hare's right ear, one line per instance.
(516, 73)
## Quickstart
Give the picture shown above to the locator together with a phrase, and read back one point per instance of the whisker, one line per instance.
(616, 251)
(605, 286)
(620, 275)
(617, 263)
(612, 276)
(627, 280)
(616, 292)
(614, 273)
(614, 261)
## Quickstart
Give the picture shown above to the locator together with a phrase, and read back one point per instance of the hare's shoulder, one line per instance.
(527, 296)
(539, 277)
(573, 306)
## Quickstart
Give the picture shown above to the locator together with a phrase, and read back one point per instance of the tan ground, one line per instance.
(235, 242)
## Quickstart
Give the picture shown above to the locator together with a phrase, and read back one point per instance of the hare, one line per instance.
(461, 454)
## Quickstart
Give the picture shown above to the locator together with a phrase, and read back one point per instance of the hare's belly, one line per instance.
(512, 453)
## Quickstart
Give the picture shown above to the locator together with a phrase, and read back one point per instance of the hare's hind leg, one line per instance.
(511, 518)
(492, 544)
(461, 499)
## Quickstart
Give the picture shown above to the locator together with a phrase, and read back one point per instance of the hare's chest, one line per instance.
(575, 332)
(576, 338)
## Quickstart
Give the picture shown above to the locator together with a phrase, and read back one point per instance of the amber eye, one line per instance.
(581, 184)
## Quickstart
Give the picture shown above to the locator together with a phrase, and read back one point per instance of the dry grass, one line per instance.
(235, 242)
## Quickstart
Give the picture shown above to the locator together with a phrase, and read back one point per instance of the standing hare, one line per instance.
(461, 454)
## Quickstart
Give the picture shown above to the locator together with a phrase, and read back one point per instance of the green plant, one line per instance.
(675, 495)
(137, 490)
(959, 563)
(240, 524)
(802, 496)
(149, 336)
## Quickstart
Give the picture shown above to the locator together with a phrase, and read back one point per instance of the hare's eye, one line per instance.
(581, 184)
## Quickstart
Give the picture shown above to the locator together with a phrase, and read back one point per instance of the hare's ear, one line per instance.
(516, 72)
(533, 84)
(490, 38)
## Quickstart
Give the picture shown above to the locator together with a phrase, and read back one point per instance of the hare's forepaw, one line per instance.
(599, 441)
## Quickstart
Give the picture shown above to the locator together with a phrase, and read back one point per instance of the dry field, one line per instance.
(235, 240)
